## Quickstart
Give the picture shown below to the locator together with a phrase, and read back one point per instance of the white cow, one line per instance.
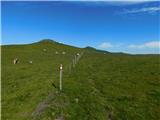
(15, 61)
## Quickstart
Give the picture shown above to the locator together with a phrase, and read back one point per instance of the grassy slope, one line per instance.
(128, 87)
(24, 85)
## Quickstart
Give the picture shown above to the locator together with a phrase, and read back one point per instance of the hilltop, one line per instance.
(101, 86)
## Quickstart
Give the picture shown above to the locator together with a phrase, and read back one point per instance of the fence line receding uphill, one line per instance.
(44, 104)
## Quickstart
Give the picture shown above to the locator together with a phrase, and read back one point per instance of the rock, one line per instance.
(30, 62)
(76, 100)
(44, 50)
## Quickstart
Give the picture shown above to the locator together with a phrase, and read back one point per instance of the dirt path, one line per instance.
(43, 105)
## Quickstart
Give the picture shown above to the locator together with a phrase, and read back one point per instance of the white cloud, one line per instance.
(151, 47)
(151, 44)
(127, 2)
(105, 45)
(147, 9)
(122, 1)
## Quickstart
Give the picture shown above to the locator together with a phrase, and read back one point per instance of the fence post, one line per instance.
(60, 78)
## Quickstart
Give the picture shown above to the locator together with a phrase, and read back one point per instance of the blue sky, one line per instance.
(131, 27)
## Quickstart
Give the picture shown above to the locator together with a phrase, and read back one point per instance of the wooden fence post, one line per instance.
(60, 77)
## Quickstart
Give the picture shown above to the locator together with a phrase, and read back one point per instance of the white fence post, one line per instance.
(60, 78)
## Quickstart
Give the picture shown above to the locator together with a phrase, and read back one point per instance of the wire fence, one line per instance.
(62, 70)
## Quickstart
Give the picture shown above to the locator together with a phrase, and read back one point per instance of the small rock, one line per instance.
(76, 100)
(63, 52)
(57, 92)
(44, 50)
(30, 62)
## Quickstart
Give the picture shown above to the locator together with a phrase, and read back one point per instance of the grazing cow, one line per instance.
(63, 52)
(15, 61)
(56, 52)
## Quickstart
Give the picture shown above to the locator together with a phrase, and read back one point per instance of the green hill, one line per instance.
(100, 87)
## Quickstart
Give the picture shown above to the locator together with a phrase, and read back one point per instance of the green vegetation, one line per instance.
(101, 86)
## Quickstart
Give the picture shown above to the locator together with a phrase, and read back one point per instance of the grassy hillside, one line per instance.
(100, 87)
(24, 85)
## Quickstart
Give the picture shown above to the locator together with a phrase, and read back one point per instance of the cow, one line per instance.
(15, 61)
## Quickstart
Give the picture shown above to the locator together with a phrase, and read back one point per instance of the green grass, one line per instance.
(125, 86)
